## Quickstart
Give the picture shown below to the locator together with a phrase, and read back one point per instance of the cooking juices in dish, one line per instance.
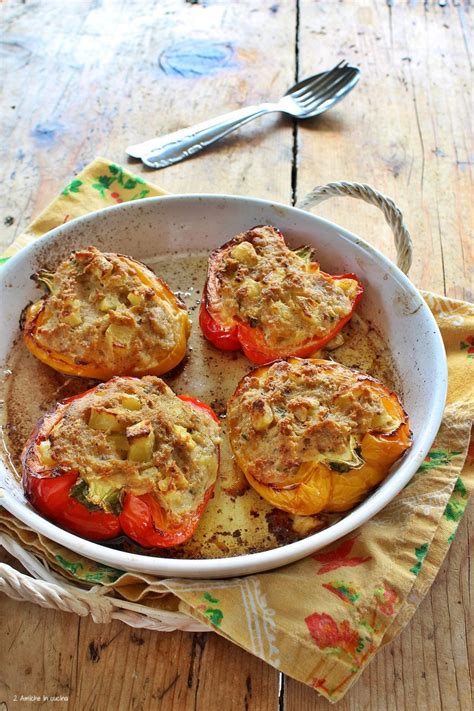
(311, 435)
(127, 456)
(106, 314)
(97, 466)
(272, 302)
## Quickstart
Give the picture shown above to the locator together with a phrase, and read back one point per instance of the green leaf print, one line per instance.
(468, 345)
(207, 596)
(100, 188)
(459, 487)
(106, 181)
(436, 458)
(342, 591)
(140, 195)
(420, 553)
(457, 503)
(215, 616)
(212, 613)
(73, 187)
(454, 510)
(128, 182)
(103, 184)
(103, 573)
(117, 172)
(67, 565)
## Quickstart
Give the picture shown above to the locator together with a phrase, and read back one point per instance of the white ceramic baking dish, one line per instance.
(174, 224)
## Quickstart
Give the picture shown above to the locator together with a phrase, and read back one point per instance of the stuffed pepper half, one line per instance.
(105, 314)
(313, 435)
(128, 456)
(271, 302)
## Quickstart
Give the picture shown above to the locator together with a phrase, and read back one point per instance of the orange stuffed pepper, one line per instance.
(105, 314)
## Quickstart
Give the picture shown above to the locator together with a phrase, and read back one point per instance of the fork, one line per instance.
(306, 99)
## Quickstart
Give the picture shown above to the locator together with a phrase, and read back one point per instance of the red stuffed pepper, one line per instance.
(128, 456)
(271, 302)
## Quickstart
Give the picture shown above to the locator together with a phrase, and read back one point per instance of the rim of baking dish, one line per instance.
(283, 555)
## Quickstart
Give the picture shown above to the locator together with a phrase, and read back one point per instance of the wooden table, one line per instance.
(87, 78)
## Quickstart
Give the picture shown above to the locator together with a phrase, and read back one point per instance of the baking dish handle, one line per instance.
(392, 213)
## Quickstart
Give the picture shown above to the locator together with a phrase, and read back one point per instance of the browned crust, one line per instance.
(212, 288)
(243, 385)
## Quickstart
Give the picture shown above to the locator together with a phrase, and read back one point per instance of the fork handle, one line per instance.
(163, 151)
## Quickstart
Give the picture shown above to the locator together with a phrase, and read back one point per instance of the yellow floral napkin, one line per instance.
(322, 619)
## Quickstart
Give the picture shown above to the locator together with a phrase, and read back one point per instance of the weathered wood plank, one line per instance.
(99, 667)
(82, 79)
(405, 129)
(139, 669)
(38, 655)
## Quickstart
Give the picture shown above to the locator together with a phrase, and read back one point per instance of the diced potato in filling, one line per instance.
(135, 435)
(101, 419)
(260, 282)
(44, 450)
(141, 438)
(106, 314)
(298, 412)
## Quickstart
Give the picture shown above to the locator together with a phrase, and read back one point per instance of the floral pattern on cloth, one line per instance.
(98, 573)
(468, 346)
(337, 637)
(437, 457)
(213, 613)
(100, 184)
(344, 591)
(339, 558)
(123, 180)
(321, 619)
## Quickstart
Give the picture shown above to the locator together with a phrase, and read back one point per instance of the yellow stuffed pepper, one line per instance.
(313, 435)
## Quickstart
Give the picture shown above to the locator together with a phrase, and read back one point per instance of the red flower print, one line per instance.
(320, 684)
(326, 632)
(386, 600)
(338, 558)
(468, 345)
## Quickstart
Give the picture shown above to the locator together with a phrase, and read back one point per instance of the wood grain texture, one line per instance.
(404, 130)
(103, 667)
(85, 78)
